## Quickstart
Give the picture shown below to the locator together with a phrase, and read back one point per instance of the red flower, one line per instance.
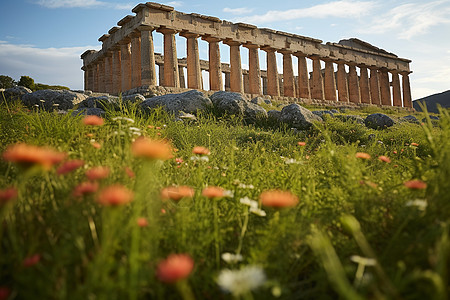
(115, 195)
(174, 268)
(278, 198)
(7, 194)
(84, 188)
(69, 166)
(93, 120)
(31, 260)
(176, 193)
(4, 293)
(201, 150)
(28, 155)
(384, 158)
(362, 155)
(415, 144)
(152, 149)
(96, 173)
(142, 222)
(213, 192)
(415, 184)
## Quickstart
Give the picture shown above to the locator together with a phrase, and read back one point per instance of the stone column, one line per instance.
(246, 79)
(303, 77)
(396, 91)
(353, 84)
(215, 67)
(264, 85)
(385, 87)
(254, 71)
(273, 87)
(125, 58)
(95, 85)
(342, 82)
(135, 59)
(117, 72)
(148, 69)
(407, 100)
(108, 73)
(236, 80)
(317, 80)
(101, 75)
(194, 72)
(227, 81)
(288, 75)
(161, 74)
(329, 81)
(90, 83)
(364, 84)
(181, 76)
(375, 94)
(170, 58)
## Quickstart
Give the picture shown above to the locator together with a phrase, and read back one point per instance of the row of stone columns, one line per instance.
(132, 64)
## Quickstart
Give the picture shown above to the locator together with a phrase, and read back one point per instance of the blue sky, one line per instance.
(44, 38)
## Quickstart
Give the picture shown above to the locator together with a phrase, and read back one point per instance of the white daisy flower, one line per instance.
(240, 282)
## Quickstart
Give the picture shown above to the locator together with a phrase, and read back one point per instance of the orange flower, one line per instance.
(31, 260)
(201, 150)
(96, 145)
(384, 158)
(415, 184)
(69, 166)
(93, 120)
(362, 155)
(7, 195)
(415, 144)
(115, 195)
(28, 155)
(213, 192)
(152, 149)
(301, 143)
(176, 193)
(174, 268)
(278, 198)
(142, 222)
(84, 188)
(96, 173)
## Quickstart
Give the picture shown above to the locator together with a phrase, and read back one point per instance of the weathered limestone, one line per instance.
(342, 83)
(329, 81)
(127, 60)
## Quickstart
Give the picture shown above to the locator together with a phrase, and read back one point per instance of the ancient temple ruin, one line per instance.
(354, 71)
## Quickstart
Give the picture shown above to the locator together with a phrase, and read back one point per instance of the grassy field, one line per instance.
(336, 212)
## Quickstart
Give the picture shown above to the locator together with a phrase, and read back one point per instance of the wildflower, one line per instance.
(31, 260)
(7, 195)
(420, 204)
(84, 188)
(123, 118)
(179, 160)
(200, 158)
(301, 144)
(90, 135)
(151, 149)
(257, 211)
(395, 152)
(151, 126)
(115, 195)
(142, 222)
(96, 145)
(362, 155)
(240, 282)
(129, 172)
(93, 120)
(415, 144)
(415, 184)
(96, 173)
(290, 161)
(231, 258)
(174, 268)
(201, 150)
(28, 155)
(4, 293)
(363, 260)
(384, 158)
(249, 202)
(278, 198)
(176, 193)
(213, 192)
(246, 186)
(69, 166)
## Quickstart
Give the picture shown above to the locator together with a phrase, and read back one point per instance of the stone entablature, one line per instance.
(127, 60)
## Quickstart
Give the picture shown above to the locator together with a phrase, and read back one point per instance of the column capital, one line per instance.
(187, 34)
(135, 34)
(230, 42)
(103, 37)
(314, 57)
(328, 59)
(268, 48)
(146, 28)
(125, 41)
(165, 30)
(341, 62)
(250, 46)
(285, 51)
(405, 72)
(211, 39)
(299, 54)
(113, 29)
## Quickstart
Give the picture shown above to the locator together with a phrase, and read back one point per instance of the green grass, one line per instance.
(347, 206)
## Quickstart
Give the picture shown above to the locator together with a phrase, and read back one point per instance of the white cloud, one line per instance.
(82, 4)
(238, 11)
(59, 66)
(339, 9)
(175, 3)
(411, 19)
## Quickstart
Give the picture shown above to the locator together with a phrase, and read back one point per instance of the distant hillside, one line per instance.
(432, 101)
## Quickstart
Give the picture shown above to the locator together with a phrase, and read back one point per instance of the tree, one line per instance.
(26, 81)
(6, 82)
